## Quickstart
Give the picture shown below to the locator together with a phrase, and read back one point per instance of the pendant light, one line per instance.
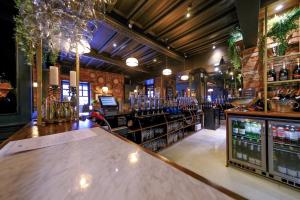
(132, 61)
(167, 71)
(184, 77)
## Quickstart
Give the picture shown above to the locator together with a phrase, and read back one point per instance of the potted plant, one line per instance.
(281, 29)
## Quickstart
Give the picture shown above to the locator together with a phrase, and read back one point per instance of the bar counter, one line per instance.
(98, 166)
(282, 115)
(32, 130)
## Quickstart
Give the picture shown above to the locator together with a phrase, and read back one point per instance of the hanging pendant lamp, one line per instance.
(132, 62)
(184, 77)
(167, 71)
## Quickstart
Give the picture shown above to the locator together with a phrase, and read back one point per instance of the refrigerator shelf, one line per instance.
(245, 138)
(287, 150)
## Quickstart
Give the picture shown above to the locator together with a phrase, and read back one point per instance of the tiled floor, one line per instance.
(204, 153)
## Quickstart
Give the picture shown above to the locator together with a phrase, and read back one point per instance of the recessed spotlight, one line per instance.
(279, 7)
(214, 47)
(154, 60)
(231, 73)
(114, 44)
(168, 47)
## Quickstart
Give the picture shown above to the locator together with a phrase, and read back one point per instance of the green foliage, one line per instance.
(233, 54)
(25, 35)
(261, 48)
(282, 28)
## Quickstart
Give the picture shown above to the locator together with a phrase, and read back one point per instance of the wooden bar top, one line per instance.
(293, 115)
(32, 130)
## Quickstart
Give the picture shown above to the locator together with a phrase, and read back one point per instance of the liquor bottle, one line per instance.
(242, 128)
(234, 148)
(239, 150)
(251, 154)
(296, 72)
(274, 133)
(245, 151)
(272, 74)
(235, 127)
(293, 135)
(248, 131)
(280, 133)
(287, 134)
(258, 155)
(284, 73)
(282, 162)
(292, 164)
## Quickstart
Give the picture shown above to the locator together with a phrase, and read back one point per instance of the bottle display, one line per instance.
(246, 141)
(296, 72)
(284, 73)
(286, 148)
(272, 74)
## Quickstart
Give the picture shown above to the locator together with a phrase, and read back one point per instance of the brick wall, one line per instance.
(97, 79)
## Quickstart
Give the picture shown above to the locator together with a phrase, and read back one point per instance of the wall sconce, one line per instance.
(105, 89)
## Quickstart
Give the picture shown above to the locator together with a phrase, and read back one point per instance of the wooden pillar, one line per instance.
(39, 98)
(77, 80)
(265, 61)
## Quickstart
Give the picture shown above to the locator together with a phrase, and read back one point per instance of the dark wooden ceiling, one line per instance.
(166, 30)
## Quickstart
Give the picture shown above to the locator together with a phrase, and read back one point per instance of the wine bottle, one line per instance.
(272, 74)
(283, 74)
(296, 73)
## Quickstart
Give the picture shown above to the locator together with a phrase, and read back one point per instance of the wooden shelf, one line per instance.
(152, 139)
(283, 82)
(281, 57)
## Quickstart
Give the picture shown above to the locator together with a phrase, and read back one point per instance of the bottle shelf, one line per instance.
(246, 139)
(284, 82)
(286, 147)
(152, 139)
(281, 57)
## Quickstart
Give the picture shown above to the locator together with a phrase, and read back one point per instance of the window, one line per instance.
(84, 92)
(149, 87)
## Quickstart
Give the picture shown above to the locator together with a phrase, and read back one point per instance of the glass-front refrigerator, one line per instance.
(284, 151)
(247, 143)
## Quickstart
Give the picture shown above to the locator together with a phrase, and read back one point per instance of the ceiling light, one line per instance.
(240, 89)
(167, 72)
(132, 62)
(216, 64)
(35, 84)
(279, 7)
(154, 60)
(216, 69)
(188, 14)
(231, 73)
(210, 90)
(184, 77)
(214, 47)
(114, 44)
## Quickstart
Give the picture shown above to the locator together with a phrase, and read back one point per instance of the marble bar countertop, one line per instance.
(96, 167)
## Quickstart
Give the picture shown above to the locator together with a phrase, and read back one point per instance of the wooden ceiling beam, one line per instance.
(140, 37)
(108, 42)
(109, 60)
(138, 48)
(200, 8)
(209, 26)
(136, 8)
(163, 14)
(207, 46)
(210, 36)
(120, 47)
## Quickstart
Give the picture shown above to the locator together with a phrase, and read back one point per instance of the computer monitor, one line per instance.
(108, 101)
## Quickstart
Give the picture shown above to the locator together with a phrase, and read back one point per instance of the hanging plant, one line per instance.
(282, 28)
(22, 31)
(233, 52)
(261, 48)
